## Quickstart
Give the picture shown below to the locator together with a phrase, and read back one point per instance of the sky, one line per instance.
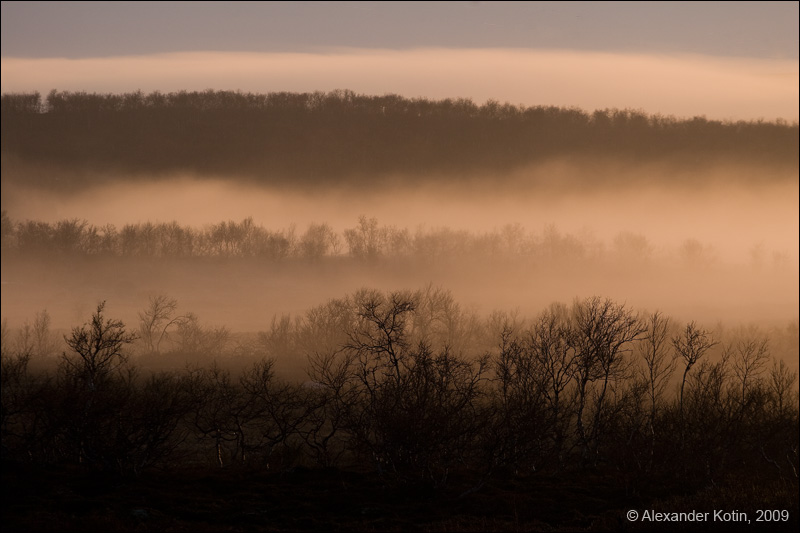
(723, 60)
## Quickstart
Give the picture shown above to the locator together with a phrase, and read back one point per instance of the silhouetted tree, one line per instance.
(602, 331)
(156, 320)
(99, 346)
(691, 345)
(658, 366)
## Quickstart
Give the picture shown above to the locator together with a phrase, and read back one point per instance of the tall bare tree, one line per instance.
(659, 366)
(691, 345)
(602, 331)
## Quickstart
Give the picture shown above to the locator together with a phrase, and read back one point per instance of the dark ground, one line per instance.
(61, 499)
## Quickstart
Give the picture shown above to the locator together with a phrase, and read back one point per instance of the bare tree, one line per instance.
(409, 408)
(691, 345)
(96, 386)
(659, 366)
(520, 419)
(219, 411)
(276, 411)
(550, 342)
(750, 355)
(333, 396)
(602, 330)
(780, 383)
(99, 345)
(381, 340)
(157, 319)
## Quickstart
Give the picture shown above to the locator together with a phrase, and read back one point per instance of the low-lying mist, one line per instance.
(713, 247)
(734, 211)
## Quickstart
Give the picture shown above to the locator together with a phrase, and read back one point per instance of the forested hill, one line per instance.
(352, 138)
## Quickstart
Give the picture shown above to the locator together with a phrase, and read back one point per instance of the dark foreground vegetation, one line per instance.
(348, 139)
(411, 414)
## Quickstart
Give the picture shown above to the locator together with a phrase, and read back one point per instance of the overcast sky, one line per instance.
(100, 29)
(727, 60)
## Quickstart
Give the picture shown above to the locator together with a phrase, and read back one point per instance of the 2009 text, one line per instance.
(772, 515)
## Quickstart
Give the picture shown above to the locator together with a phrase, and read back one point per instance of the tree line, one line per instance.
(410, 386)
(314, 138)
(367, 241)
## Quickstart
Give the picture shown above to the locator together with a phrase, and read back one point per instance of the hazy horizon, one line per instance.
(720, 60)
(681, 85)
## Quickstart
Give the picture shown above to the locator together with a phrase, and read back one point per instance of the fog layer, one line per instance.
(711, 252)
(732, 217)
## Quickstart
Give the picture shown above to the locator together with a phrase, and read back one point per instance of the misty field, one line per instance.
(332, 311)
